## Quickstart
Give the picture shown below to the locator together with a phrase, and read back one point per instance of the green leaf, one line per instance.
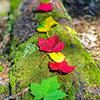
(55, 95)
(46, 25)
(48, 89)
(36, 90)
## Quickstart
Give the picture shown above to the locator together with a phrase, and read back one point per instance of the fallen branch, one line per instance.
(20, 93)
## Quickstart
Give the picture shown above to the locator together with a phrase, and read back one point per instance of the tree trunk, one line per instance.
(27, 68)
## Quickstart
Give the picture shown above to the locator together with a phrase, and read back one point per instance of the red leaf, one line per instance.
(51, 45)
(63, 66)
(45, 7)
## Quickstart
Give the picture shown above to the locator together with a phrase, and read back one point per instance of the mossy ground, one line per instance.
(14, 4)
(29, 69)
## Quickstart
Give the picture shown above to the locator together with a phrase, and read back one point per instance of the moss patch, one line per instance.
(55, 13)
(3, 14)
(3, 91)
(46, 1)
(29, 69)
(14, 5)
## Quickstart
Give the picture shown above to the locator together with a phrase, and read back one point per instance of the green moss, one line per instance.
(98, 97)
(14, 12)
(3, 91)
(27, 69)
(3, 13)
(55, 13)
(66, 13)
(45, 1)
(15, 4)
(12, 81)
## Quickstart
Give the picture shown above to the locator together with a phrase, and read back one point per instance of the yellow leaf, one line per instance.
(57, 57)
(46, 25)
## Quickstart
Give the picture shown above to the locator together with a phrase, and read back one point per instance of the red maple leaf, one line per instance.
(45, 7)
(51, 45)
(63, 66)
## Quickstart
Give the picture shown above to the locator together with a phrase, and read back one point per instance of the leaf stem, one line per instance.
(47, 35)
(44, 59)
(62, 76)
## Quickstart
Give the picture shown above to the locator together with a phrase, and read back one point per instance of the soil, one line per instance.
(89, 34)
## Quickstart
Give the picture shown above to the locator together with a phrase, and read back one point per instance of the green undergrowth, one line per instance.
(14, 11)
(29, 69)
(3, 14)
(3, 91)
(15, 5)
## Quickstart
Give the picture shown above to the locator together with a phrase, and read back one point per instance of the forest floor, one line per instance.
(88, 31)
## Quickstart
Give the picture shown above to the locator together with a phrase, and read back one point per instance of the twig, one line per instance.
(18, 94)
(44, 59)
(47, 35)
(62, 76)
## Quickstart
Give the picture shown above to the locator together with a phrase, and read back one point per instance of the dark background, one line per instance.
(82, 7)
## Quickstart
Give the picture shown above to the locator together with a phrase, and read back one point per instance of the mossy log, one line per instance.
(27, 67)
